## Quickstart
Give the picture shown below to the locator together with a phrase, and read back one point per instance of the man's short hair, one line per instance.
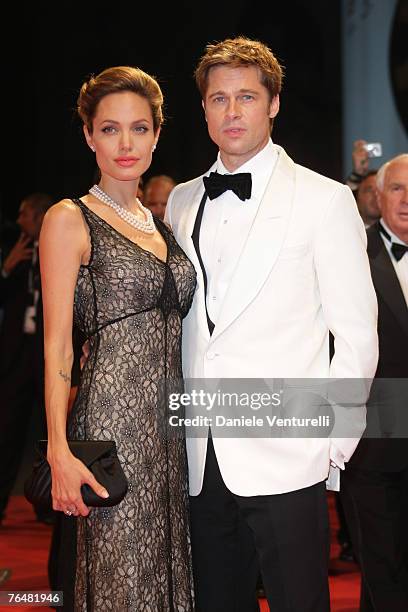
(383, 170)
(159, 178)
(241, 51)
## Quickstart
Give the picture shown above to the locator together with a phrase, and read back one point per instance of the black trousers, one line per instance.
(343, 533)
(285, 536)
(376, 507)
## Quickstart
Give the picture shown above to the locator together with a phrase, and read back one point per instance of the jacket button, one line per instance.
(210, 355)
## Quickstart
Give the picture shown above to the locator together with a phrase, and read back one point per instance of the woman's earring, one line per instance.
(154, 148)
(92, 148)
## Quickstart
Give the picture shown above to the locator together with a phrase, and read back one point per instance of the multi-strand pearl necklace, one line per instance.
(135, 221)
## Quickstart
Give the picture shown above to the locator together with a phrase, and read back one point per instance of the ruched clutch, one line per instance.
(99, 456)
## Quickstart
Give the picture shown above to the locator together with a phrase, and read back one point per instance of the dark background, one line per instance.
(54, 51)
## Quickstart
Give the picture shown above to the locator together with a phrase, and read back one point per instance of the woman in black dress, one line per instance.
(119, 273)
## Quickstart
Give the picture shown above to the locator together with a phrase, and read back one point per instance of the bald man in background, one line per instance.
(156, 194)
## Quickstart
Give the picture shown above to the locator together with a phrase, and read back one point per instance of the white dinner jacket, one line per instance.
(302, 272)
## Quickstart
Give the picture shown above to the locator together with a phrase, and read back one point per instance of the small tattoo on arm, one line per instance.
(64, 376)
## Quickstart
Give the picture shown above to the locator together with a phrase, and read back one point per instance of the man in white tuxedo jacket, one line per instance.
(280, 258)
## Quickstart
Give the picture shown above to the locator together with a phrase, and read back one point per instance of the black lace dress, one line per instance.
(130, 304)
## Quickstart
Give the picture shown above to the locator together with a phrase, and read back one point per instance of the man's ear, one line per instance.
(274, 107)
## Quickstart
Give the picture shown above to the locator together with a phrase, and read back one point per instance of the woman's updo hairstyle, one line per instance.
(116, 80)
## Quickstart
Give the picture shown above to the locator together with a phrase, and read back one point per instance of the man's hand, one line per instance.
(360, 157)
(72, 396)
(19, 252)
(85, 355)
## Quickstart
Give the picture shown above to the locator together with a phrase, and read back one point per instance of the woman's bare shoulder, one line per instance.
(64, 223)
(64, 209)
(65, 214)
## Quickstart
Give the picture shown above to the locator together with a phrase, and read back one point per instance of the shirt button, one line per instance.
(214, 298)
(219, 260)
(225, 221)
(210, 355)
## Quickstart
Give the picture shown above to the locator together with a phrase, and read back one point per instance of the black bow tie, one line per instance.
(240, 184)
(398, 250)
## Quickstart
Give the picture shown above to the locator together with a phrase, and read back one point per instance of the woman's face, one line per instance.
(123, 135)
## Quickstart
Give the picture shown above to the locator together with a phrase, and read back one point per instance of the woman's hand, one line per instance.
(68, 475)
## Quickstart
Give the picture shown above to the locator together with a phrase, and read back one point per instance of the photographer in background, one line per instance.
(362, 180)
(21, 343)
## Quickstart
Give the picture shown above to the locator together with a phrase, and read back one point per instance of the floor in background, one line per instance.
(24, 548)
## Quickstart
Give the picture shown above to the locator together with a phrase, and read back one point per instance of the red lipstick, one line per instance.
(126, 160)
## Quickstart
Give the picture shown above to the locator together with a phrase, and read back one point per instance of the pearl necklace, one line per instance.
(147, 226)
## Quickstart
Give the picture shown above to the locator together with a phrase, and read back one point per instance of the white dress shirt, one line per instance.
(401, 266)
(225, 226)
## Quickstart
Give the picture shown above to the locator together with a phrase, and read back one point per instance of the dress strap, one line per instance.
(82, 206)
(87, 216)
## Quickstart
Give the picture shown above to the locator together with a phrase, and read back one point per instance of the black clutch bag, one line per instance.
(100, 458)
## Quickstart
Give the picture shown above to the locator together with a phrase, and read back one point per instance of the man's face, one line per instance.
(394, 198)
(29, 220)
(238, 113)
(156, 196)
(367, 200)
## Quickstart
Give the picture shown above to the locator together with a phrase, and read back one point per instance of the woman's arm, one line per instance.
(64, 245)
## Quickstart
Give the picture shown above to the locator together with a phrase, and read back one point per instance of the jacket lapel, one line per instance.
(263, 244)
(385, 278)
(183, 233)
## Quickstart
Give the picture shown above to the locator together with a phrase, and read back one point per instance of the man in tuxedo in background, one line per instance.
(280, 258)
(374, 487)
(21, 343)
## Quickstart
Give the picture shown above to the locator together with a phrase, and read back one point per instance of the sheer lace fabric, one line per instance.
(134, 556)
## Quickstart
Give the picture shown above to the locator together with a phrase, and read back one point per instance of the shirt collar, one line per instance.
(394, 238)
(260, 166)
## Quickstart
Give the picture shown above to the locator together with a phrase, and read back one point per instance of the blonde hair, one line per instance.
(241, 51)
